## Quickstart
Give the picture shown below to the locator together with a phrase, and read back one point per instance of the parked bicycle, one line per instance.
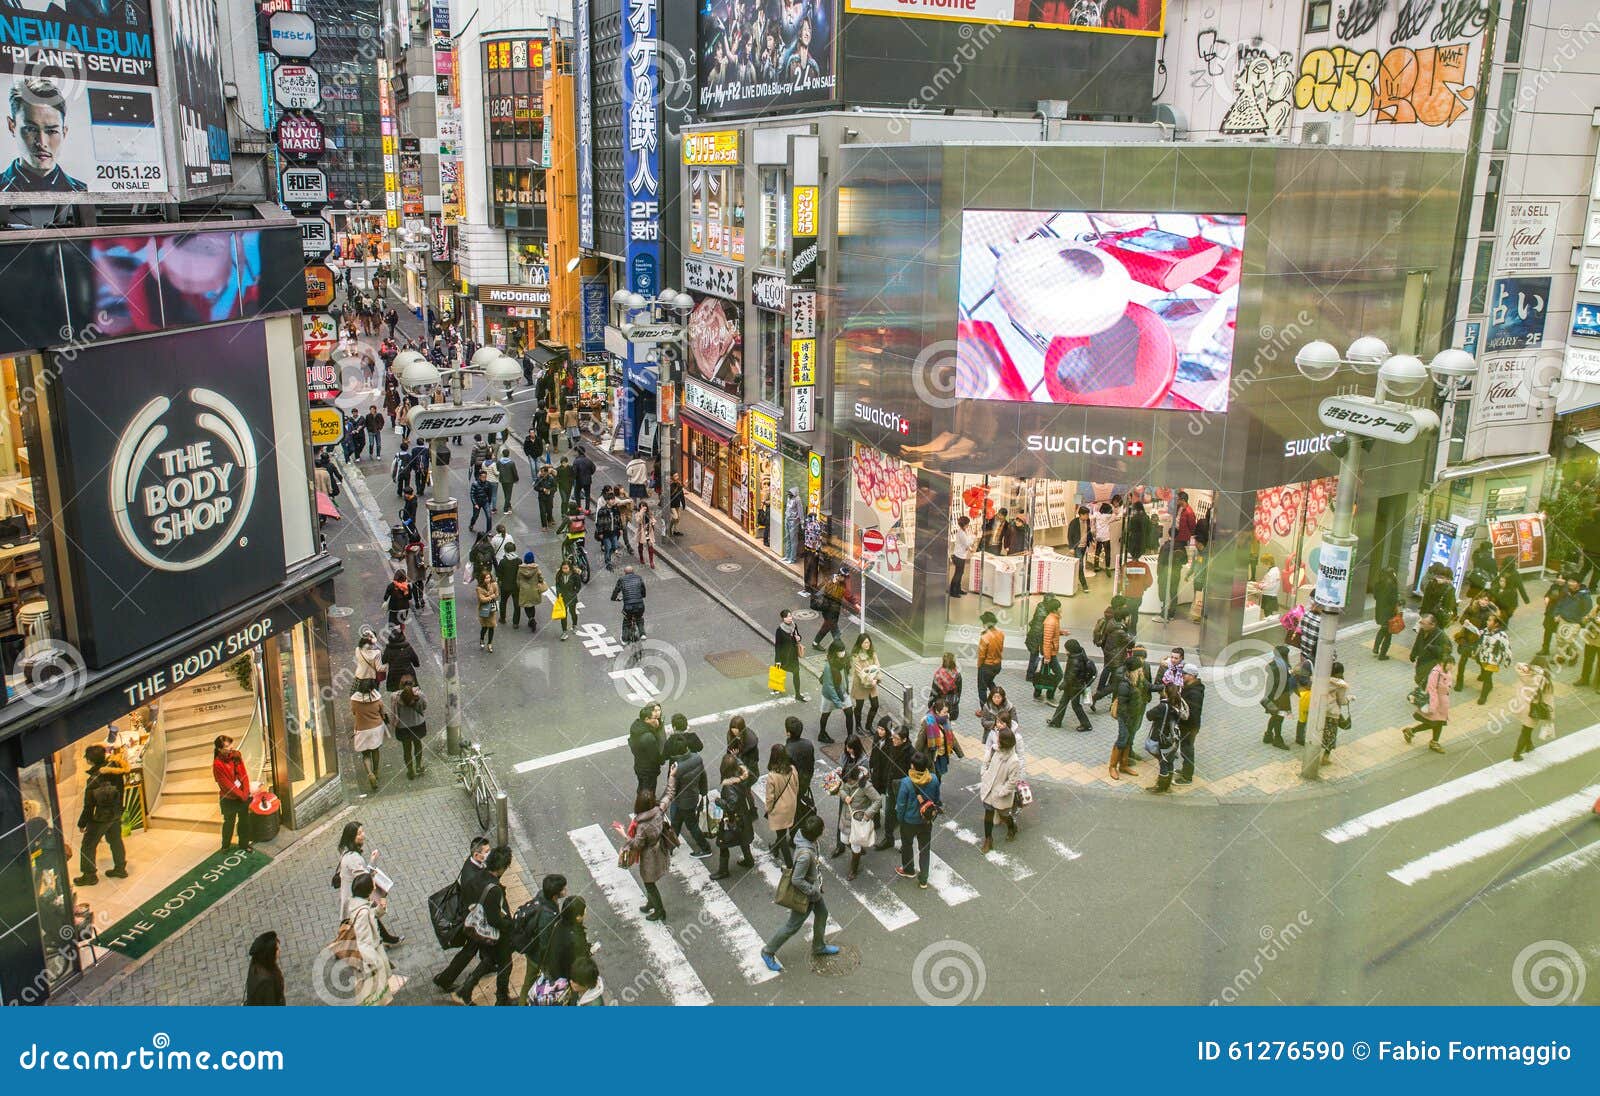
(472, 769)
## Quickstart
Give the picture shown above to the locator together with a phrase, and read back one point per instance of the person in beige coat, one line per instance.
(371, 723)
(864, 674)
(997, 787)
(782, 800)
(375, 981)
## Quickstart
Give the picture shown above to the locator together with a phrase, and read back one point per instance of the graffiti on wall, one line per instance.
(1401, 87)
(1410, 21)
(1460, 19)
(1263, 85)
(1360, 17)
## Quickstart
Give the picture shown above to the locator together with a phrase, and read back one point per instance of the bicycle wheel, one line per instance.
(480, 795)
(583, 568)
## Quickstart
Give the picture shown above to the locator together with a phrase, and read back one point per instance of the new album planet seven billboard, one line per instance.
(82, 117)
(1131, 310)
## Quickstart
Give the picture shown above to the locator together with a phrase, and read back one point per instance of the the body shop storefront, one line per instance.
(183, 598)
(1108, 382)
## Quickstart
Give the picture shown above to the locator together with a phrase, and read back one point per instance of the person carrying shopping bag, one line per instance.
(1539, 715)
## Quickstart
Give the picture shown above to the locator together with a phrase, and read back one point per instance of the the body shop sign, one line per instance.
(300, 137)
(171, 485)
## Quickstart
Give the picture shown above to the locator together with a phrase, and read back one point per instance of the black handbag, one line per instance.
(445, 915)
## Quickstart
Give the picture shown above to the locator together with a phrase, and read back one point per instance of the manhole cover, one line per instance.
(837, 966)
(729, 568)
(805, 614)
(737, 664)
(340, 611)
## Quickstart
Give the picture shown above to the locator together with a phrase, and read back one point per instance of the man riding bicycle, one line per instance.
(630, 591)
(572, 538)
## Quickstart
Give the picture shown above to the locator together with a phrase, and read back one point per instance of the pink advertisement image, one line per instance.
(1098, 309)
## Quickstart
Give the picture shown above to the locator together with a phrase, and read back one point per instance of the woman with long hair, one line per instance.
(864, 674)
(738, 813)
(650, 851)
(263, 983)
(370, 723)
(835, 684)
(355, 860)
(411, 725)
(782, 801)
(488, 602)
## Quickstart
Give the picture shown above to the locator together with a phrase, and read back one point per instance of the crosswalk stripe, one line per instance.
(726, 920)
(1571, 864)
(1493, 840)
(1062, 850)
(662, 954)
(1009, 864)
(1548, 755)
(947, 884)
(875, 896)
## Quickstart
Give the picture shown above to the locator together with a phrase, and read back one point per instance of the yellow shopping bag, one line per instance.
(560, 610)
(777, 678)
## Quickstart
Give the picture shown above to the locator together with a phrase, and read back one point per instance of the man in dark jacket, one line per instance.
(631, 592)
(887, 767)
(566, 478)
(505, 574)
(1439, 595)
(608, 528)
(1077, 675)
(374, 424)
(101, 816)
(1430, 648)
(473, 877)
(482, 501)
(645, 743)
(1113, 639)
(1565, 602)
(1193, 693)
(686, 786)
(803, 755)
(786, 650)
(480, 451)
(583, 477)
(505, 469)
(494, 957)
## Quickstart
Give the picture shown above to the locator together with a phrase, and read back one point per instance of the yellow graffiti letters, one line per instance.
(1337, 78)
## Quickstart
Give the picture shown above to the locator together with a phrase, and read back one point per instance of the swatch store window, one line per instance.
(881, 523)
(1287, 529)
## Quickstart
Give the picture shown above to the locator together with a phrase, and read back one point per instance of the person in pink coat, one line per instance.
(1437, 711)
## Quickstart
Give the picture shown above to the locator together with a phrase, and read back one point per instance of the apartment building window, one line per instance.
(716, 213)
(1519, 18)
(1318, 13)
(1480, 277)
(770, 346)
(1508, 104)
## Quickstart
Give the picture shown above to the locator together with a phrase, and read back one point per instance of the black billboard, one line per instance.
(759, 56)
(170, 506)
(197, 87)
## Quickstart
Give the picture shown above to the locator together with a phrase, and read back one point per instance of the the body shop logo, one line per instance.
(1085, 444)
(182, 487)
(877, 416)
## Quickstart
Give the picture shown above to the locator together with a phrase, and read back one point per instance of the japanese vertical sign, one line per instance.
(641, 183)
(585, 132)
(447, 116)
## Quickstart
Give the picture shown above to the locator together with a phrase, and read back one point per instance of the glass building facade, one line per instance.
(348, 48)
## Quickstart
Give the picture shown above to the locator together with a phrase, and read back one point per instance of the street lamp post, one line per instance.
(417, 374)
(1361, 421)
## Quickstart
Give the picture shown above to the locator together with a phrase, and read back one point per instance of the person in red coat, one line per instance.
(233, 787)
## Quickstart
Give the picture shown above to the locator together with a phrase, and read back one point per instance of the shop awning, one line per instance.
(543, 353)
(706, 425)
(1493, 464)
(1591, 438)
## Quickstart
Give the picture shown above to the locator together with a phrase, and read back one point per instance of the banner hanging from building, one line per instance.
(766, 55)
(197, 81)
(585, 132)
(447, 116)
(641, 182)
(82, 114)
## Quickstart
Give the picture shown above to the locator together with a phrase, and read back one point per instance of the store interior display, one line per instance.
(882, 519)
(1288, 524)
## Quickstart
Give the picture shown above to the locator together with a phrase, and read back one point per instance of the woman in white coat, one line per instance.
(375, 981)
(998, 786)
(355, 860)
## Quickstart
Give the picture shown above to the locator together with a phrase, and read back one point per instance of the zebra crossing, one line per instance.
(1464, 798)
(717, 926)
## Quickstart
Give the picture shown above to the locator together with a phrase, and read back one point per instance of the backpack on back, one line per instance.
(105, 801)
(1102, 628)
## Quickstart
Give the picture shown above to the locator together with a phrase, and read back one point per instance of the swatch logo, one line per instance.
(1085, 444)
(877, 416)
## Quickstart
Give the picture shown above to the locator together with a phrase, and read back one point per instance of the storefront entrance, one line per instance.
(1024, 553)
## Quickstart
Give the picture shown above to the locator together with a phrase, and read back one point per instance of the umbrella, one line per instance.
(325, 506)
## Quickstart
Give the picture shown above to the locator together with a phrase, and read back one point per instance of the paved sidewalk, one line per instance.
(421, 837)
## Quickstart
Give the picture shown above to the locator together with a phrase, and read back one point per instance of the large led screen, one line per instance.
(1098, 309)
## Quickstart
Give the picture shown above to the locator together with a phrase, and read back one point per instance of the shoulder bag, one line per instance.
(477, 923)
(788, 896)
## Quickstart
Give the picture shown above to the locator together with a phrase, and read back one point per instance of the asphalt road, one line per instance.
(1480, 894)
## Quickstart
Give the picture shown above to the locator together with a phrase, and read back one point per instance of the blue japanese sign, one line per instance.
(585, 135)
(596, 302)
(641, 183)
(1469, 340)
(1586, 319)
(1516, 313)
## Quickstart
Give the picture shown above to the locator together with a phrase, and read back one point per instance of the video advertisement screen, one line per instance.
(1098, 309)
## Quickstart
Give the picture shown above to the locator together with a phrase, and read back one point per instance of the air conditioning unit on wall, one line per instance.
(1336, 129)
